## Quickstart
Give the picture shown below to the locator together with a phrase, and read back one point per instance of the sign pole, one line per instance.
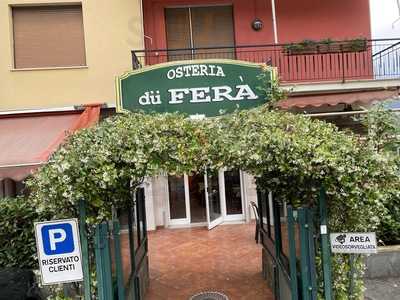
(326, 255)
(352, 259)
(85, 250)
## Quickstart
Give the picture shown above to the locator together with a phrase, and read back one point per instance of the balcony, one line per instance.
(302, 62)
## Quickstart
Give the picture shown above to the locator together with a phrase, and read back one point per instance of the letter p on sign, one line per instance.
(57, 239)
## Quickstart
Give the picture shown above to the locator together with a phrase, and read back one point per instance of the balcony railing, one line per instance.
(333, 61)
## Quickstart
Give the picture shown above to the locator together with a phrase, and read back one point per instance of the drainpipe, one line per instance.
(276, 41)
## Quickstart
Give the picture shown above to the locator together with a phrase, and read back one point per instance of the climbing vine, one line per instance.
(289, 154)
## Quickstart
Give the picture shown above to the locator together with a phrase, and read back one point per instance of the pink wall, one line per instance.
(319, 19)
(244, 13)
(296, 19)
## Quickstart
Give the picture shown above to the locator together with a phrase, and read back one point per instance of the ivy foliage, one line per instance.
(290, 155)
(18, 245)
(384, 138)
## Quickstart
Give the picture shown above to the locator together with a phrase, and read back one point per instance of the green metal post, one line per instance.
(107, 260)
(132, 251)
(277, 229)
(325, 248)
(278, 246)
(85, 249)
(304, 255)
(99, 265)
(352, 272)
(292, 253)
(311, 253)
(103, 262)
(118, 260)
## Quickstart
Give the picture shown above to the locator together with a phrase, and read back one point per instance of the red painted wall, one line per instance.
(296, 19)
(244, 13)
(318, 19)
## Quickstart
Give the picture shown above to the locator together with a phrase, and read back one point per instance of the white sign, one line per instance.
(350, 242)
(59, 251)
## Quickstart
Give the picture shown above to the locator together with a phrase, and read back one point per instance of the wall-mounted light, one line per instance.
(257, 24)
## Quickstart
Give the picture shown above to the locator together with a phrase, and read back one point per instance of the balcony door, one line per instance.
(199, 27)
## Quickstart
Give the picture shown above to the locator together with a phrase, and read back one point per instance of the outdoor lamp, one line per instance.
(257, 24)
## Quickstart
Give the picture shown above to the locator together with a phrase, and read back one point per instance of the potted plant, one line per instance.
(325, 46)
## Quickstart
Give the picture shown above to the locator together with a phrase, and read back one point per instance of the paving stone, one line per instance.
(184, 262)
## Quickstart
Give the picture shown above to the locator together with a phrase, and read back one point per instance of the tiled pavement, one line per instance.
(184, 262)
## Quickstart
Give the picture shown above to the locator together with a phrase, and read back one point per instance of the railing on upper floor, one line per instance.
(329, 61)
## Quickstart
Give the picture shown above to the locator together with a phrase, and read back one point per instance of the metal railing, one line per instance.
(333, 61)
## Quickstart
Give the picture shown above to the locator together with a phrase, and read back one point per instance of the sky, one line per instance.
(383, 14)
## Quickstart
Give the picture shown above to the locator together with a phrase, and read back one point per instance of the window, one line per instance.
(48, 36)
(199, 27)
(10, 188)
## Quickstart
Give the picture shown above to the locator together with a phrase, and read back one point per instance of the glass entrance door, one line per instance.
(179, 213)
(232, 190)
(213, 200)
(197, 196)
(206, 199)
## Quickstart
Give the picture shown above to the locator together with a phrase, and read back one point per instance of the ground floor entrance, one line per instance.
(184, 262)
(192, 200)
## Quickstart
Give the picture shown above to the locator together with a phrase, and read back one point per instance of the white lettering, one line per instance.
(145, 99)
(199, 95)
(54, 240)
(195, 71)
(179, 72)
(222, 92)
(187, 70)
(156, 98)
(203, 70)
(177, 95)
(220, 72)
(245, 92)
(171, 74)
(212, 67)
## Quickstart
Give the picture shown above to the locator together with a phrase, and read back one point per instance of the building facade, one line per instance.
(63, 53)
(60, 59)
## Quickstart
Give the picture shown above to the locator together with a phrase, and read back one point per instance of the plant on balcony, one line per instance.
(325, 46)
(303, 47)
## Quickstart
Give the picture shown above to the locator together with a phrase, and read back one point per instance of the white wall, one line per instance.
(383, 14)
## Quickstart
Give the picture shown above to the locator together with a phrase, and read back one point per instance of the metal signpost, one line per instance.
(59, 251)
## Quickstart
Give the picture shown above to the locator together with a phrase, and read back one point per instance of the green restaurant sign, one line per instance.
(198, 88)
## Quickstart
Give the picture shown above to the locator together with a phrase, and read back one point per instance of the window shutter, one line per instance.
(212, 26)
(178, 33)
(48, 36)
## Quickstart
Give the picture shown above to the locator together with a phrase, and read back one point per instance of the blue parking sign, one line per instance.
(57, 239)
(59, 251)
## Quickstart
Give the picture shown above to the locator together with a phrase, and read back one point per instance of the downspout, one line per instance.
(142, 25)
(275, 27)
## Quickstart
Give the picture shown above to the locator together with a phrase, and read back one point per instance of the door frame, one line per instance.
(233, 217)
(187, 222)
(182, 221)
(214, 223)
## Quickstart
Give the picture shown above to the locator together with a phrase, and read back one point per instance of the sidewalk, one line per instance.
(382, 289)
